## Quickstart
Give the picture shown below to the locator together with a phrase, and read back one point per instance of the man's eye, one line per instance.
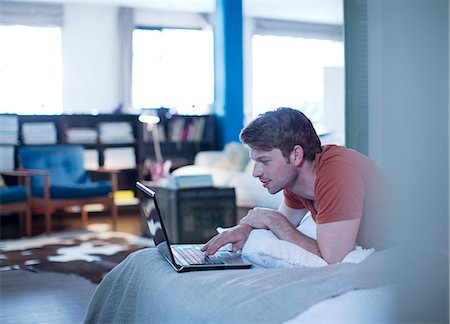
(265, 162)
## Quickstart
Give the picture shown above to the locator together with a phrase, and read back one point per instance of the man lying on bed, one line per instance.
(342, 189)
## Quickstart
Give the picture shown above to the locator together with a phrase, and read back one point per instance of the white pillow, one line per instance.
(265, 249)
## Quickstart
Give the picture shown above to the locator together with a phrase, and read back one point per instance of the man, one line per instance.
(340, 187)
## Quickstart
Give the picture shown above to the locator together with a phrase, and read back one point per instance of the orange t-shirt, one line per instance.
(348, 186)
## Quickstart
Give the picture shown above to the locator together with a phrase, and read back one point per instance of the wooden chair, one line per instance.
(16, 199)
(59, 180)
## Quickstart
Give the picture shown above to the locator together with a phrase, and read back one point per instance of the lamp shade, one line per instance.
(149, 116)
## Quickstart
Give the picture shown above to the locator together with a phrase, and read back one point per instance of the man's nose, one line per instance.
(257, 171)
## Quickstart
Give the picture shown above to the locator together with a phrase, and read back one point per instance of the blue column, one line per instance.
(228, 71)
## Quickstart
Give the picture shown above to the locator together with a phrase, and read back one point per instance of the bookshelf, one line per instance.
(116, 141)
(9, 139)
(181, 137)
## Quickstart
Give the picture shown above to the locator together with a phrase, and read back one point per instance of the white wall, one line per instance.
(409, 133)
(90, 49)
(90, 58)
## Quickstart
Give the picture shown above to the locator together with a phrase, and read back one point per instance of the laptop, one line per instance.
(182, 257)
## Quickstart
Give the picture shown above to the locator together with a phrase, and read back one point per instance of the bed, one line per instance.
(145, 288)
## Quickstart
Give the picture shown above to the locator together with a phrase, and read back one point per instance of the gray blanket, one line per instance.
(145, 289)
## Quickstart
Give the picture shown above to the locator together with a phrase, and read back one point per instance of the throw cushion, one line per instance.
(83, 190)
(13, 194)
(234, 158)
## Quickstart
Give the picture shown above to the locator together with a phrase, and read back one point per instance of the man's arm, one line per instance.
(337, 239)
(334, 240)
(238, 235)
(283, 223)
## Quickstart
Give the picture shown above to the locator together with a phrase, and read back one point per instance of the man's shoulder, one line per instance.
(337, 149)
(337, 153)
(337, 160)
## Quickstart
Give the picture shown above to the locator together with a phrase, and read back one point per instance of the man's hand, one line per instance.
(283, 224)
(261, 218)
(237, 236)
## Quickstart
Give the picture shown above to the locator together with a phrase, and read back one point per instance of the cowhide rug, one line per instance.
(84, 253)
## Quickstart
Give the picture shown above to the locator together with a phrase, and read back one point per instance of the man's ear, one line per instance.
(298, 154)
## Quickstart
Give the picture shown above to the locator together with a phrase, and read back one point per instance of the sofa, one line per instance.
(232, 167)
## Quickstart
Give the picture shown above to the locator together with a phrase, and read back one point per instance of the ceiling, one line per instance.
(320, 11)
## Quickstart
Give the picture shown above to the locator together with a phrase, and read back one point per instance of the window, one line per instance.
(30, 70)
(173, 68)
(289, 71)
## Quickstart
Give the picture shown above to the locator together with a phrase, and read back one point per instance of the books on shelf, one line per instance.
(198, 129)
(6, 157)
(9, 132)
(91, 160)
(39, 133)
(120, 158)
(176, 129)
(83, 135)
(187, 129)
(116, 133)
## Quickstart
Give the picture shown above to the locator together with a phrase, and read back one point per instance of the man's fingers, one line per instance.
(236, 247)
(235, 236)
(211, 246)
(204, 247)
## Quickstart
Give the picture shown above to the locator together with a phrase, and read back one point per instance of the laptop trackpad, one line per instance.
(229, 257)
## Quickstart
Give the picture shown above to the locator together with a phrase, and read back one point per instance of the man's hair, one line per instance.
(282, 128)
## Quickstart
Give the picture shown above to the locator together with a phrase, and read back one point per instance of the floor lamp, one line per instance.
(160, 169)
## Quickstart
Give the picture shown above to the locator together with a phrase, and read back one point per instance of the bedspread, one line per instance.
(145, 288)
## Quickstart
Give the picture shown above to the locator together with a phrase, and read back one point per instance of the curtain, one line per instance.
(125, 34)
(297, 29)
(31, 14)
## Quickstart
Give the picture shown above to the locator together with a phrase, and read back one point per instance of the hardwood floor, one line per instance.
(43, 297)
(47, 297)
(27, 297)
(129, 222)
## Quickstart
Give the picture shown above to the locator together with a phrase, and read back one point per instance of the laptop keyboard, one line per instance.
(195, 256)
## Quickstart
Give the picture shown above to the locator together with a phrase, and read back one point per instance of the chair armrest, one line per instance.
(16, 173)
(20, 175)
(35, 172)
(43, 173)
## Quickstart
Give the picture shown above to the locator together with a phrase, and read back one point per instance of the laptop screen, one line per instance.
(151, 213)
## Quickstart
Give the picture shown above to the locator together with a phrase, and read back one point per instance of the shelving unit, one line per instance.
(128, 150)
(181, 137)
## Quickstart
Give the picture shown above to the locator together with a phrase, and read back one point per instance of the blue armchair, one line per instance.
(60, 180)
(16, 198)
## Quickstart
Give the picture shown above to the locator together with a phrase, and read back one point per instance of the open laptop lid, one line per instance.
(151, 212)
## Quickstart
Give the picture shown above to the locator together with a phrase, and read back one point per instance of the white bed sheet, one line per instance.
(359, 306)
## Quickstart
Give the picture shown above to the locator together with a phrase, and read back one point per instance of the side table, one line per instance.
(191, 215)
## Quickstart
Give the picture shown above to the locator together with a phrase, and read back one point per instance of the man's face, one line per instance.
(272, 169)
